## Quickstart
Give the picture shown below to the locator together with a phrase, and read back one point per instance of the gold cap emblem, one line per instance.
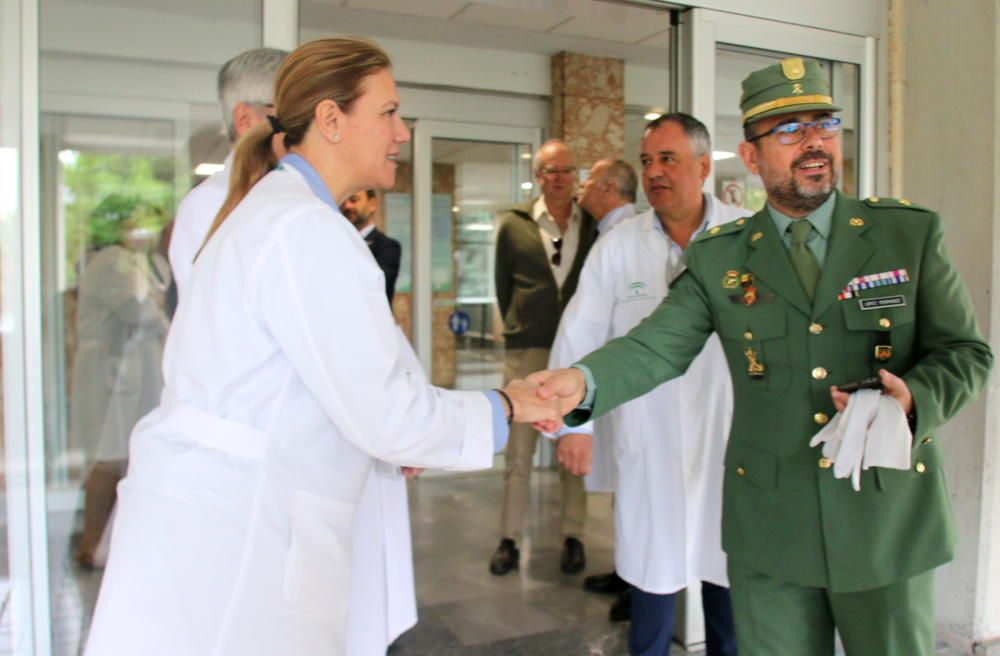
(793, 68)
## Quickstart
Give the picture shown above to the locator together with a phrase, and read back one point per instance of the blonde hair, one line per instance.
(324, 69)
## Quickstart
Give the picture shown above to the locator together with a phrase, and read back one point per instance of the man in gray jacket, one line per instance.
(541, 247)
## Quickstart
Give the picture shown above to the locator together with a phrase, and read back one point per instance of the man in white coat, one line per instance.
(246, 96)
(608, 194)
(386, 607)
(668, 445)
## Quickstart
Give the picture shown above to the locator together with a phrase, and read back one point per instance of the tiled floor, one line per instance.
(464, 610)
(534, 610)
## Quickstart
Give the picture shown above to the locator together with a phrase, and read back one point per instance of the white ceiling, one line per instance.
(587, 26)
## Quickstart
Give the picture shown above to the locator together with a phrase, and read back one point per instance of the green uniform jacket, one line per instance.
(530, 301)
(784, 513)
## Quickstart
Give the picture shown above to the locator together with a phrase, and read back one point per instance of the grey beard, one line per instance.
(788, 194)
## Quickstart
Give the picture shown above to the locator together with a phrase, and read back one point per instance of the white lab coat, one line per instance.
(668, 445)
(379, 613)
(194, 217)
(284, 380)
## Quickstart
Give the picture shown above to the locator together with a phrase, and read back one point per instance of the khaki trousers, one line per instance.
(518, 363)
(777, 618)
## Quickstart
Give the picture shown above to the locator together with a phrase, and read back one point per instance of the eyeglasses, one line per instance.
(557, 256)
(790, 134)
(556, 170)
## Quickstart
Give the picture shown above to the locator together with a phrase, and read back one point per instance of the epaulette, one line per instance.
(879, 202)
(728, 228)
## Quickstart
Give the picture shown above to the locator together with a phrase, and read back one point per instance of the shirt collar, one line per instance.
(821, 218)
(540, 209)
(315, 182)
(702, 227)
(614, 216)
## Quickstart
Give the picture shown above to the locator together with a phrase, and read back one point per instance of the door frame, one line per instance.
(706, 30)
(424, 132)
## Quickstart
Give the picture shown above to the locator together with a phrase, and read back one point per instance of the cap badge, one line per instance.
(797, 89)
(793, 68)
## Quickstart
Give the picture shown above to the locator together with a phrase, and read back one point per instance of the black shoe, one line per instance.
(504, 558)
(609, 583)
(621, 610)
(573, 559)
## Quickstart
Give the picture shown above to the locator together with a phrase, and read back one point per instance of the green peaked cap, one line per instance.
(791, 85)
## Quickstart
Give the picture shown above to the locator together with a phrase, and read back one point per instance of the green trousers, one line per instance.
(777, 618)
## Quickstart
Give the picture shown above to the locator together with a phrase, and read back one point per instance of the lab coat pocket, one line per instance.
(317, 578)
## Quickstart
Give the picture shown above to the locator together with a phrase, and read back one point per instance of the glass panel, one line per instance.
(733, 184)
(473, 183)
(129, 111)
(395, 218)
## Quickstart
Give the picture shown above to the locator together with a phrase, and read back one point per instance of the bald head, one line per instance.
(611, 184)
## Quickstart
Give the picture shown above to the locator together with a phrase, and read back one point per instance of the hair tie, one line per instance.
(276, 125)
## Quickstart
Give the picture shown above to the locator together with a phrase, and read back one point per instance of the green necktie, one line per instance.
(802, 256)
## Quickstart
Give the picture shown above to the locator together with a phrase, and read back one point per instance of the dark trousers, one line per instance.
(653, 622)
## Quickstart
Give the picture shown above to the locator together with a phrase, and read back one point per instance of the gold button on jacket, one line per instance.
(819, 373)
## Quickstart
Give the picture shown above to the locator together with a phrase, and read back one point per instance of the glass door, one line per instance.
(725, 48)
(465, 177)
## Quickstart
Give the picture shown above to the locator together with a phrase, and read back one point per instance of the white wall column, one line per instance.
(950, 125)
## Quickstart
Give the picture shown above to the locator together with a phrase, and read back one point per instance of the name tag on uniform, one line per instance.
(881, 302)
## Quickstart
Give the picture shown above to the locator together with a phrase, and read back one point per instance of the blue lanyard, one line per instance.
(315, 182)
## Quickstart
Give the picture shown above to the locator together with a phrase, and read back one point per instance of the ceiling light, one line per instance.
(651, 116)
(526, 186)
(206, 168)
(722, 154)
(525, 155)
(455, 208)
(478, 226)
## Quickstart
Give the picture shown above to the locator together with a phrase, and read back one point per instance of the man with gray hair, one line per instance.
(246, 95)
(608, 193)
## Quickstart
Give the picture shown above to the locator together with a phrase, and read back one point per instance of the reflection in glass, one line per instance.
(121, 326)
(473, 183)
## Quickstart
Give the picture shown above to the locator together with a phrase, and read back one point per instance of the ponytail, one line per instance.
(254, 158)
(324, 69)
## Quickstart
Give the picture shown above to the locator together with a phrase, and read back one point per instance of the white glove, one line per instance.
(890, 439)
(858, 416)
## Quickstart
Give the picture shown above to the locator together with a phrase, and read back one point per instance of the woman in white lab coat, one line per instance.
(668, 444)
(285, 377)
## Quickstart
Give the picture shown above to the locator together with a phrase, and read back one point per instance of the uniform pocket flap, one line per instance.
(752, 324)
(886, 310)
(752, 464)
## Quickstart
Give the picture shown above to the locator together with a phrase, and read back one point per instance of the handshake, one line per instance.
(544, 397)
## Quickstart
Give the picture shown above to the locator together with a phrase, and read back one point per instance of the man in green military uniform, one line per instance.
(817, 289)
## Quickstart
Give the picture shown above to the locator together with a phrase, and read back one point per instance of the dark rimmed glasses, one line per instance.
(792, 133)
